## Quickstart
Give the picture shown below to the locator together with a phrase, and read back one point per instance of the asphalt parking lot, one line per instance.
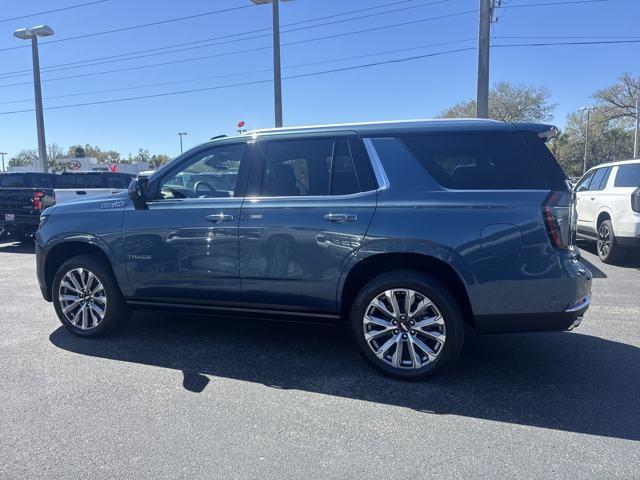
(188, 396)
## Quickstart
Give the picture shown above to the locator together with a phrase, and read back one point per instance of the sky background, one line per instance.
(414, 89)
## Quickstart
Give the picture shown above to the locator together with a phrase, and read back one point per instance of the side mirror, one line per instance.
(138, 189)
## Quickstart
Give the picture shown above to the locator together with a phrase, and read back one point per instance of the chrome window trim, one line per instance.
(376, 164)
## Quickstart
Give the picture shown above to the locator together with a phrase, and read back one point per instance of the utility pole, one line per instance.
(586, 139)
(484, 40)
(277, 75)
(635, 138)
(181, 134)
(3, 154)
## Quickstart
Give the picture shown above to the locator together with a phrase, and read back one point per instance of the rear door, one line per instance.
(311, 199)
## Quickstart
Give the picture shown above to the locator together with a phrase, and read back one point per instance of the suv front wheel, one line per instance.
(407, 324)
(86, 297)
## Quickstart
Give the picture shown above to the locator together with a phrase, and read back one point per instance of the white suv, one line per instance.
(608, 207)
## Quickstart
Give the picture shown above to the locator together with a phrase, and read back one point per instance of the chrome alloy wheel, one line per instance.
(604, 240)
(404, 328)
(82, 298)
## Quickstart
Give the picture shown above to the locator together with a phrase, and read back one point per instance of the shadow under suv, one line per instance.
(406, 231)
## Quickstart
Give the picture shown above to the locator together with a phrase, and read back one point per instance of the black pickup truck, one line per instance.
(23, 196)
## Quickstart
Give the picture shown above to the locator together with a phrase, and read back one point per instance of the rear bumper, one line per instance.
(534, 322)
(22, 225)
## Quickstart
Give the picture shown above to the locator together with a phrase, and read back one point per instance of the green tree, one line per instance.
(24, 158)
(611, 128)
(103, 156)
(509, 103)
(158, 160)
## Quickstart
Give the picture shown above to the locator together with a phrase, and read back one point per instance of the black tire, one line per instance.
(607, 246)
(428, 287)
(116, 312)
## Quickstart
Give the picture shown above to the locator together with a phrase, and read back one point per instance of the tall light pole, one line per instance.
(3, 154)
(635, 138)
(33, 34)
(586, 139)
(277, 70)
(181, 134)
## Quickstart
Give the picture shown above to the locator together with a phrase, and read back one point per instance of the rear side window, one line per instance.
(628, 175)
(310, 167)
(472, 161)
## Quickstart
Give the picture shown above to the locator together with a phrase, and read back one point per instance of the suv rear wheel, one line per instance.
(86, 297)
(407, 324)
(608, 249)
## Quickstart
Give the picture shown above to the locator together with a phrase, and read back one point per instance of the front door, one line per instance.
(313, 199)
(183, 245)
(583, 203)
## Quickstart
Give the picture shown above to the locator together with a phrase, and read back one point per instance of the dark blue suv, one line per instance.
(405, 231)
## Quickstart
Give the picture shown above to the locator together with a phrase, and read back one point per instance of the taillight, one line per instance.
(558, 211)
(36, 200)
(635, 200)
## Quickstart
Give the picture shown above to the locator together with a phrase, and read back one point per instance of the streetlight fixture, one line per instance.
(32, 34)
(181, 134)
(3, 154)
(586, 138)
(277, 70)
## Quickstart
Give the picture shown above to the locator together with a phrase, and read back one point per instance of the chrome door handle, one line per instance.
(219, 217)
(340, 217)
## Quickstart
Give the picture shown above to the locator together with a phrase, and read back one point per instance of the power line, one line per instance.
(134, 27)
(53, 11)
(210, 77)
(551, 4)
(302, 75)
(548, 44)
(298, 42)
(115, 58)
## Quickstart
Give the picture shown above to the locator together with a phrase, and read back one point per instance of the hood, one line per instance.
(101, 202)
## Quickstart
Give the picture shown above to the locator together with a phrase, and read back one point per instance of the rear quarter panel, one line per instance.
(495, 240)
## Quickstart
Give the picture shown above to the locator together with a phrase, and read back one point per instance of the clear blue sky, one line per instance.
(414, 89)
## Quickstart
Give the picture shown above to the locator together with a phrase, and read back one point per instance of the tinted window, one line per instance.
(119, 182)
(547, 162)
(208, 174)
(477, 161)
(597, 179)
(628, 175)
(295, 168)
(81, 180)
(44, 181)
(583, 183)
(344, 179)
(15, 181)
